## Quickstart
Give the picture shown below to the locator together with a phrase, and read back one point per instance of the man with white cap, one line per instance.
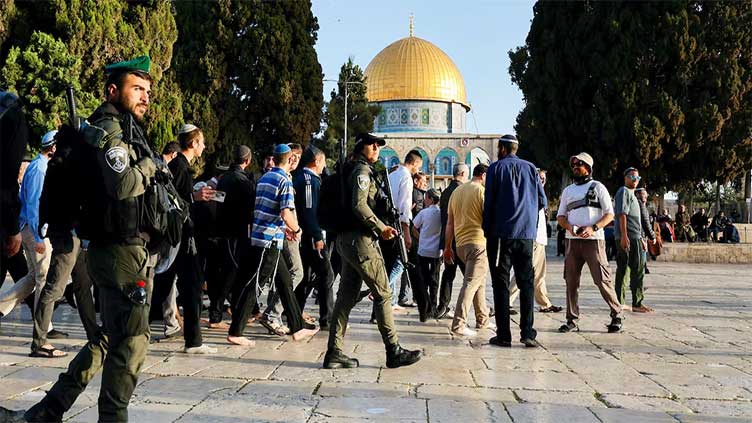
(584, 210)
(186, 265)
(37, 249)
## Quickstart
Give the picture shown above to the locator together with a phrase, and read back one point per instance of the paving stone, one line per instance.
(375, 408)
(280, 389)
(140, 412)
(440, 411)
(645, 403)
(721, 408)
(462, 393)
(619, 415)
(26, 379)
(181, 389)
(233, 407)
(549, 413)
(427, 374)
(530, 380)
(581, 399)
(364, 390)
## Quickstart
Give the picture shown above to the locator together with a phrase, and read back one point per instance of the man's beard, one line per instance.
(581, 179)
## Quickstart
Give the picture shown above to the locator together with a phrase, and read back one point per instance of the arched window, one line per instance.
(445, 161)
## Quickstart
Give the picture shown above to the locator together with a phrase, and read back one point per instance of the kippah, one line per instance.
(188, 127)
(282, 149)
(509, 138)
(629, 169)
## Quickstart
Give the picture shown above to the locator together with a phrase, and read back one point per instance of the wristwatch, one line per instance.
(595, 227)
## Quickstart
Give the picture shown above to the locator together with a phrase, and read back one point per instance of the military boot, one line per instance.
(335, 359)
(44, 411)
(397, 356)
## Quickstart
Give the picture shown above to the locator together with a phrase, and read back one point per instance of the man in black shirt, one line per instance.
(186, 265)
(234, 220)
(460, 174)
(317, 270)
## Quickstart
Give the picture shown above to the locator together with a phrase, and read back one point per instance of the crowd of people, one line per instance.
(243, 235)
(697, 227)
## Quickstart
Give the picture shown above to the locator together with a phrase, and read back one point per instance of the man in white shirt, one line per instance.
(401, 182)
(539, 263)
(584, 210)
(427, 228)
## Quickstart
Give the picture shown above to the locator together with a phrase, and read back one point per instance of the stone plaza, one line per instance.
(687, 362)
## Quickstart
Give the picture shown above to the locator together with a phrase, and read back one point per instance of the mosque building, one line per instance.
(424, 107)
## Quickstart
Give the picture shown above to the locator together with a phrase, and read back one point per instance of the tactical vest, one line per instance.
(590, 200)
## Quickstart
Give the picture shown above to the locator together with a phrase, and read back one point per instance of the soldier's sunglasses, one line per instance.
(577, 163)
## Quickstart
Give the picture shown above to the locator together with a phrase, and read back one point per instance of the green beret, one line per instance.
(141, 64)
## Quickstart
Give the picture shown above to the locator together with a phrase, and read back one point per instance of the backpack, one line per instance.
(334, 214)
(67, 180)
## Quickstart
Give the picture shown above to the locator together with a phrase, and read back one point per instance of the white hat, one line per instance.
(188, 127)
(49, 139)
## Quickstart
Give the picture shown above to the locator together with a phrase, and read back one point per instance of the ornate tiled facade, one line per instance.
(420, 116)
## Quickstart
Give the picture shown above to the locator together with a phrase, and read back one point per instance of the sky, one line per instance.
(476, 34)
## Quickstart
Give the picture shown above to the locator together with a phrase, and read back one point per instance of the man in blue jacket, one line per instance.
(317, 271)
(514, 195)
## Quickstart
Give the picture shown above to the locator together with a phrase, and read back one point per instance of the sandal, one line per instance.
(273, 328)
(49, 352)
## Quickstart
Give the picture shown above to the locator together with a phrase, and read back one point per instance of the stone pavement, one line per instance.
(687, 362)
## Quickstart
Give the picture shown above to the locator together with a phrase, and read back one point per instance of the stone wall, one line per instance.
(706, 253)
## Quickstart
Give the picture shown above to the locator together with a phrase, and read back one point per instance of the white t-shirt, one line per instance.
(401, 182)
(585, 216)
(428, 223)
(541, 237)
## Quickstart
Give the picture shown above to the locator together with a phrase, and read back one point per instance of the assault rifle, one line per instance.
(394, 216)
(70, 99)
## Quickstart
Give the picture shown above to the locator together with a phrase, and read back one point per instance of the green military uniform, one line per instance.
(362, 260)
(118, 263)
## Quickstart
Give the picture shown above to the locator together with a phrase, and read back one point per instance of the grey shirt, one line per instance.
(626, 203)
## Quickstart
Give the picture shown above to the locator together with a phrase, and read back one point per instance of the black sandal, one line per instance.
(47, 353)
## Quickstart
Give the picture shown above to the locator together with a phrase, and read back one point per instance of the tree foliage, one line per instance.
(663, 86)
(360, 113)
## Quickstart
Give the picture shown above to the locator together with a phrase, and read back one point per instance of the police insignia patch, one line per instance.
(116, 158)
(364, 182)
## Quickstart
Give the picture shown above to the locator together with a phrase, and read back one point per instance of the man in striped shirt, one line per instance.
(273, 218)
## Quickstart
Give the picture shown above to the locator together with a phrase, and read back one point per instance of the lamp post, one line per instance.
(343, 142)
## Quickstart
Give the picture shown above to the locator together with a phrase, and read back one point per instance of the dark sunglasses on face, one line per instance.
(577, 163)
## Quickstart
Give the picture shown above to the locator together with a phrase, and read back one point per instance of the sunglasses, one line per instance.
(634, 177)
(577, 163)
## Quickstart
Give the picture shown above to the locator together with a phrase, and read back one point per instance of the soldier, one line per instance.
(118, 259)
(362, 260)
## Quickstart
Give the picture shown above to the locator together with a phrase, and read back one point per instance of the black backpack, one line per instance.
(334, 213)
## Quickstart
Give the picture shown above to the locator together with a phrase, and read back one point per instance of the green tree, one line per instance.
(664, 86)
(40, 73)
(360, 113)
(92, 34)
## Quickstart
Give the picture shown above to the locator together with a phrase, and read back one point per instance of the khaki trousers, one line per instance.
(592, 252)
(473, 289)
(539, 267)
(38, 265)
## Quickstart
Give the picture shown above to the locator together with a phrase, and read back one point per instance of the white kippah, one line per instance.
(188, 127)
(509, 138)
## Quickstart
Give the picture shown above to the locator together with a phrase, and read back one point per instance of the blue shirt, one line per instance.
(30, 192)
(514, 194)
(273, 194)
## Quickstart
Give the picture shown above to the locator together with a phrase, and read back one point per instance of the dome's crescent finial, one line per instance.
(412, 24)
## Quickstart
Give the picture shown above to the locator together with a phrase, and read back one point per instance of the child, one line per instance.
(427, 228)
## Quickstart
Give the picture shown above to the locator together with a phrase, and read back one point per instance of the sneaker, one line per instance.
(512, 311)
(615, 325)
(407, 304)
(530, 343)
(449, 314)
(570, 326)
(465, 331)
(441, 312)
(488, 325)
(201, 349)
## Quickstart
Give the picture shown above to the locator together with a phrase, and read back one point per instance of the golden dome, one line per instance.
(414, 69)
